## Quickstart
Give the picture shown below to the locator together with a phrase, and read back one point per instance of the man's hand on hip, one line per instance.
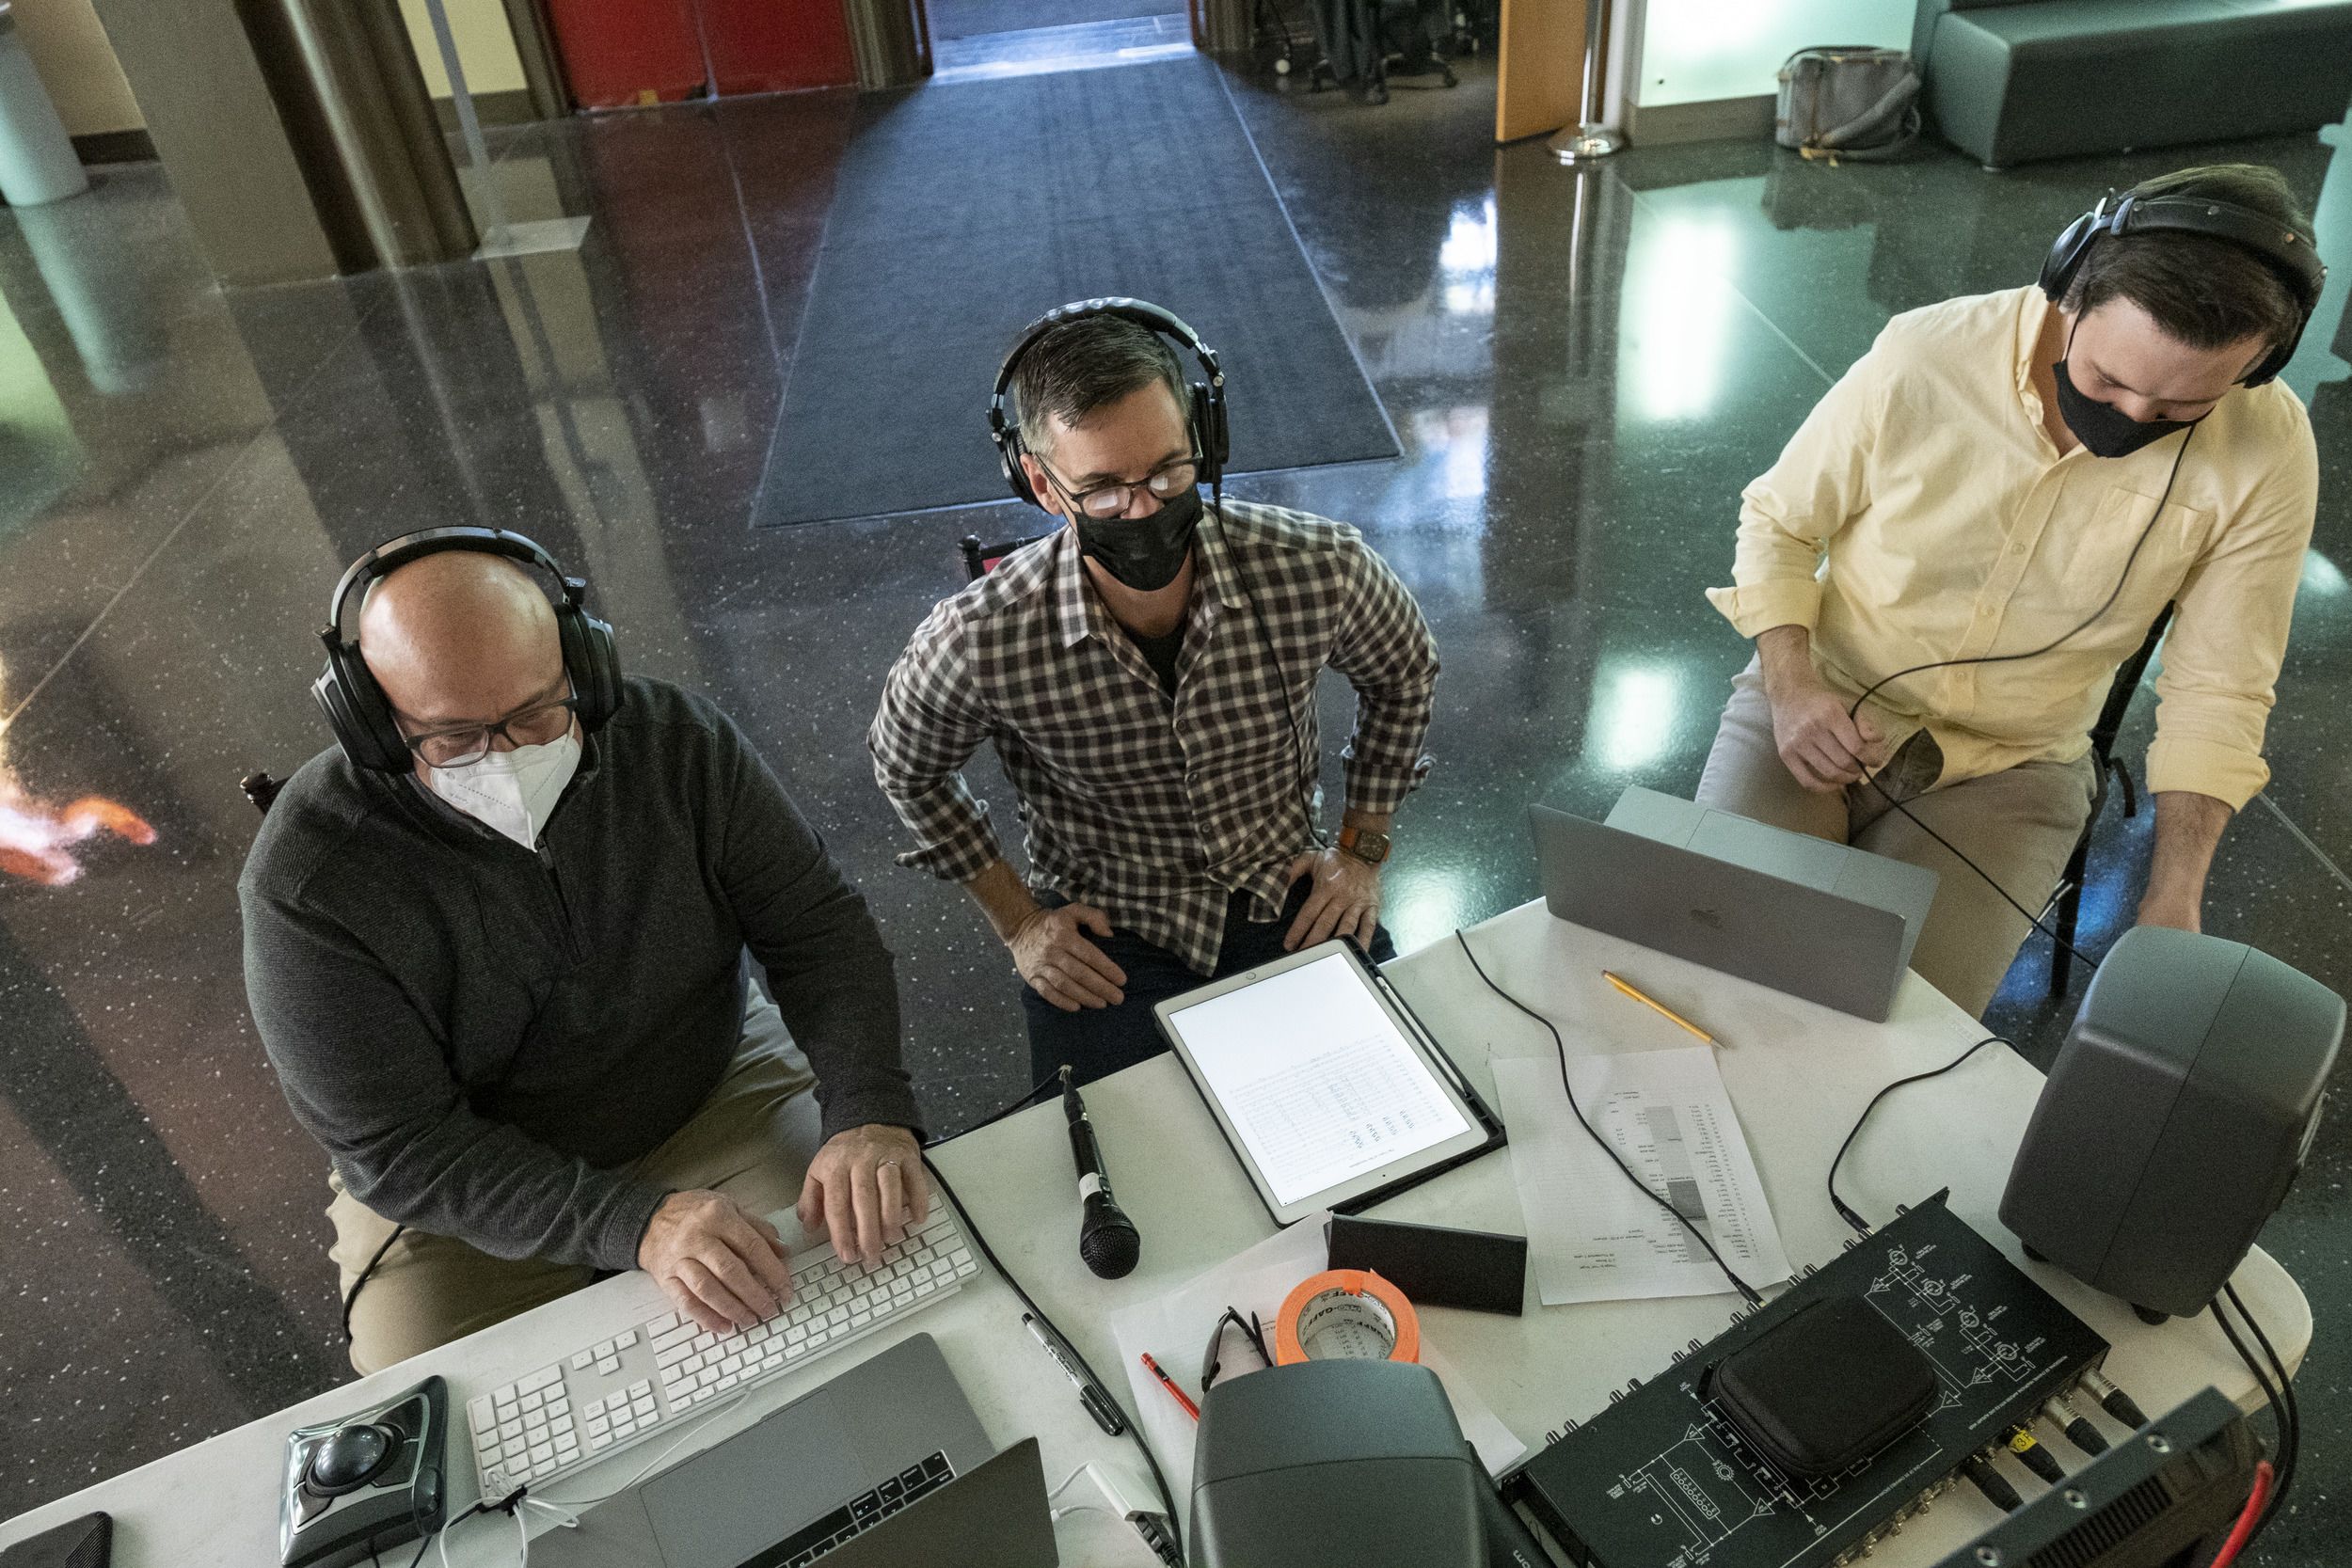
(1344, 900)
(1051, 950)
(863, 1188)
(718, 1263)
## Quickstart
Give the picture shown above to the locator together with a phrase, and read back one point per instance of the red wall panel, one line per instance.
(619, 53)
(769, 45)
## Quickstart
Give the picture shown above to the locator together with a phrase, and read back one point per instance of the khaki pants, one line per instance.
(2020, 825)
(753, 1140)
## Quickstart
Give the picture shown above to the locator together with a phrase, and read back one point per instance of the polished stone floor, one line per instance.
(1584, 372)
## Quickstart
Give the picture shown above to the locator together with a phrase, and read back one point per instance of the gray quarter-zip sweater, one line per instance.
(480, 1034)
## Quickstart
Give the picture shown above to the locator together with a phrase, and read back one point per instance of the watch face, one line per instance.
(1369, 846)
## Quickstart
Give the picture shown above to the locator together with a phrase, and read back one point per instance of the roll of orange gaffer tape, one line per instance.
(1346, 1313)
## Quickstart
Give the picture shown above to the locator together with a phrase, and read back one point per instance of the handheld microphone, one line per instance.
(1106, 1238)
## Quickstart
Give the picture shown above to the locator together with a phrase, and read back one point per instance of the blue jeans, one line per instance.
(1097, 1041)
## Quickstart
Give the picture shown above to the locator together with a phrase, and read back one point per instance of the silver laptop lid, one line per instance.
(854, 1435)
(1779, 930)
(1878, 880)
(995, 1516)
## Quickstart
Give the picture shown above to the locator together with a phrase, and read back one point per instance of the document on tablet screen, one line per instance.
(1316, 1077)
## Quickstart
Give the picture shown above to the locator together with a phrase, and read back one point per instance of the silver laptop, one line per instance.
(1823, 921)
(844, 1465)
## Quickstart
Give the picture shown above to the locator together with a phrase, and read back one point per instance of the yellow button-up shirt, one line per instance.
(1922, 512)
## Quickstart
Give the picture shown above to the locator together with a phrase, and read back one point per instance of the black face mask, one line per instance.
(2104, 430)
(1145, 553)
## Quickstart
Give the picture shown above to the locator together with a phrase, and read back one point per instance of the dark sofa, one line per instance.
(2010, 81)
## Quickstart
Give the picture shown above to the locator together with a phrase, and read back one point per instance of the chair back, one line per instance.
(261, 789)
(2069, 902)
(2127, 677)
(979, 560)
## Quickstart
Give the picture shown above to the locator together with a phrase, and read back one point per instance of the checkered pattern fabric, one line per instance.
(1155, 808)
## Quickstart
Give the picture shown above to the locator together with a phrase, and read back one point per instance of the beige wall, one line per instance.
(485, 46)
(77, 66)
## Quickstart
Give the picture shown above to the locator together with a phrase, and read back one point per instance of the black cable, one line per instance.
(480, 1505)
(1860, 1224)
(2113, 1399)
(2284, 1463)
(2033, 1456)
(2119, 1405)
(2085, 624)
(353, 1294)
(2109, 603)
(1561, 1049)
(1134, 1425)
(2031, 919)
(416, 1521)
(2087, 1438)
(2278, 1366)
(1995, 1487)
(2292, 1442)
(1037, 1091)
(2077, 1426)
(1309, 763)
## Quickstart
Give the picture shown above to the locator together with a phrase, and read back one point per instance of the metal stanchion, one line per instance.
(1588, 140)
(500, 236)
(534, 46)
(362, 127)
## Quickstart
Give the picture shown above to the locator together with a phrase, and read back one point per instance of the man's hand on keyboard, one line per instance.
(864, 1187)
(718, 1262)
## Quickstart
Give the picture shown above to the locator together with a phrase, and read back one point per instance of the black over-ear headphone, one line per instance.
(2291, 254)
(1208, 397)
(356, 708)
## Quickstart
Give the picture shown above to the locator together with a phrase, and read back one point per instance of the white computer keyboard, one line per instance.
(640, 1383)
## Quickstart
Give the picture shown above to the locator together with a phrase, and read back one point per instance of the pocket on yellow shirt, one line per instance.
(2085, 561)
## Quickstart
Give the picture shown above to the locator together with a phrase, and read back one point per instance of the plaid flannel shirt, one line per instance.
(1155, 809)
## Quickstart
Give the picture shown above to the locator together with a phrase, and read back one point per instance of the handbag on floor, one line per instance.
(1860, 103)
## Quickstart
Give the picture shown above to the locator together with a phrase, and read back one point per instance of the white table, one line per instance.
(1798, 1074)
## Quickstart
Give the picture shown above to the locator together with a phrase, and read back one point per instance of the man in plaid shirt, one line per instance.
(1146, 676)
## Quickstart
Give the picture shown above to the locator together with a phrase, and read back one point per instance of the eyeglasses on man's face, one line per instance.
(1112, 500)
(540, 724)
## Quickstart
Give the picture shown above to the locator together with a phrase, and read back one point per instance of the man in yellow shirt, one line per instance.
(1979, 524)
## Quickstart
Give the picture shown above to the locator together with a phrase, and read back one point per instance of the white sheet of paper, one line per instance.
(1175, 1329)
(1593, 1237)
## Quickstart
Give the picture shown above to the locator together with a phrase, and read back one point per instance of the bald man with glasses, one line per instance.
(499, 958)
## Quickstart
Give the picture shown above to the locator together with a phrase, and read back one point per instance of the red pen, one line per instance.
(1166, 1381)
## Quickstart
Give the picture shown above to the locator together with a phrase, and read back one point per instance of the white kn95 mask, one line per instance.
(513, 792)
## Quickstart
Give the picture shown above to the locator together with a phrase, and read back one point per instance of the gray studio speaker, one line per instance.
(2180, 1105)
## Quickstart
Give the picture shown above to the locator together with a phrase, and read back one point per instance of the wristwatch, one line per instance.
(1365, 845)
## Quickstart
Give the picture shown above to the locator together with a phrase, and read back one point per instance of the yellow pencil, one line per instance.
(1656, 1005)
